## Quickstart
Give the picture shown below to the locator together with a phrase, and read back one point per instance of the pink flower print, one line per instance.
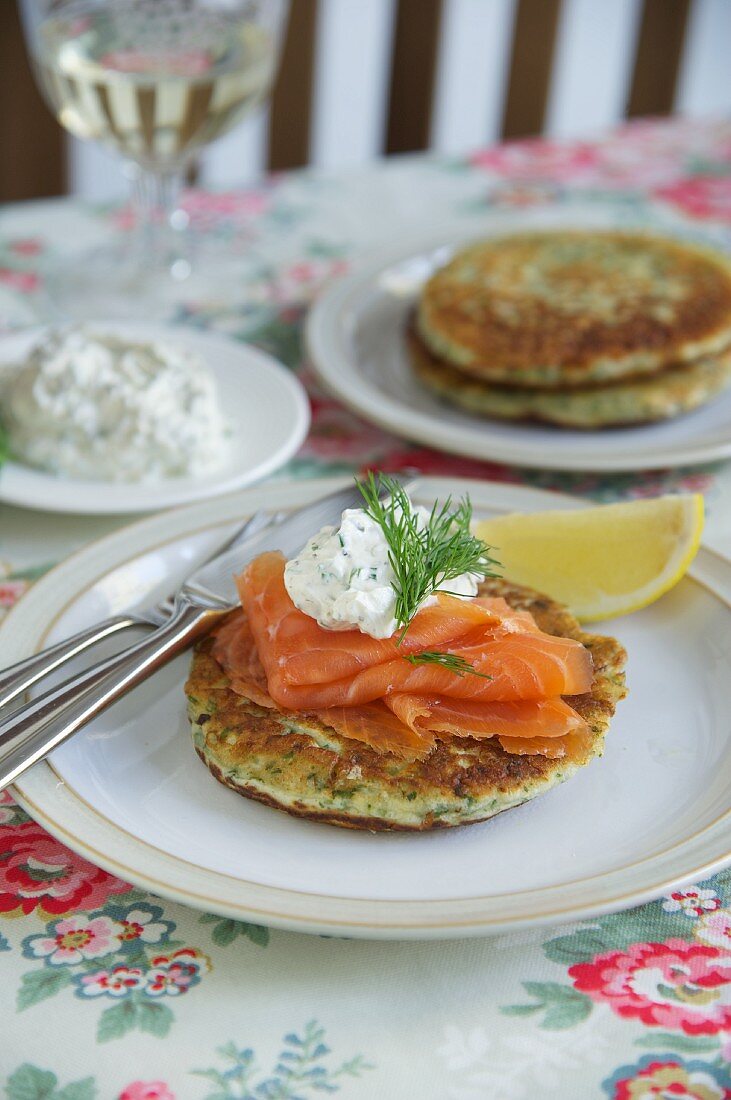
(36, 872)
(117, 982)
(7, 808)
(124, 218)
(11, 591)
(139, 925)
(715, 929)
(74, 939)
(24, 281)
(173, 974)
(625, 164)
(673, 984)
(693, 902)
(302, 272)
(235, 210)
(654, 153)
(337, 433)
(26, 246)
(537, 158)
(146, 1090)
(699, 196)
(300, 282)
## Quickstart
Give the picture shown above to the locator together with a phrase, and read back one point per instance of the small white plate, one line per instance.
(265, 404)
(355, 336)
(130, 794)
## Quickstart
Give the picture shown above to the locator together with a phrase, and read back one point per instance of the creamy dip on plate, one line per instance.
(343, 577)
(90, 405)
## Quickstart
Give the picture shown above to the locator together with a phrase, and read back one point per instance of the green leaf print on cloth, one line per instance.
(686, 1044)
(299, 1071)
(38, 985)
(563, 1006)
(31, 1083)
(225, 930)
(115, 1022)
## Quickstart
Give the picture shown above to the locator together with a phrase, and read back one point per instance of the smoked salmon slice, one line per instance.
(364, 688)
(545, 718)
(380, 728)
(235, 650)
(573, 748)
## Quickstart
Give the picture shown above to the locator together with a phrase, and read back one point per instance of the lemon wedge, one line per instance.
(602, 561)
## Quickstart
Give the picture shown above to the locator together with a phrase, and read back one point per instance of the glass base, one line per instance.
(111, 283)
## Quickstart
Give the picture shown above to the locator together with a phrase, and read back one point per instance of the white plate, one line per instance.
(265, 404)
(355, 336)
(131, 795)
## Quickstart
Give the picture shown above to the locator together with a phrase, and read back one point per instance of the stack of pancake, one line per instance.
(582, 329)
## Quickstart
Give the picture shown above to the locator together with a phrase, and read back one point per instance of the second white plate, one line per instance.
(264, 403)
(355, 336)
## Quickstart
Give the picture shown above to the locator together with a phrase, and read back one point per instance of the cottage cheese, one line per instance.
(344, 580)
(90, 405)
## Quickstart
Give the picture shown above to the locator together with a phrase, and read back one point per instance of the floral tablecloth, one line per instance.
(109, 992)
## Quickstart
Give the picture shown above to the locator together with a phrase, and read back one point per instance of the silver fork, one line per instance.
(18, 678)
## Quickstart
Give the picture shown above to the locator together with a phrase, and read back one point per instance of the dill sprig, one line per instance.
(424, 556)
(451, 661)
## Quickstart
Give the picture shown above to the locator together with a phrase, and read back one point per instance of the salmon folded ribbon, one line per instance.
(362, 687)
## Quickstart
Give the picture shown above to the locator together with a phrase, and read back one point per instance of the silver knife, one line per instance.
(206, 597)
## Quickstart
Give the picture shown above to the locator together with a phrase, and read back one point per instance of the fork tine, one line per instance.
(256, 522)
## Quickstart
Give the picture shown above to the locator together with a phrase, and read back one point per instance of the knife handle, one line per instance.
(34, 730)
(17, 679)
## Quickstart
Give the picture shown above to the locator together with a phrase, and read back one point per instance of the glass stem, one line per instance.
(161, 225)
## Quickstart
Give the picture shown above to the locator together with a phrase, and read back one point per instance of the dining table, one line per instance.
(109, 991)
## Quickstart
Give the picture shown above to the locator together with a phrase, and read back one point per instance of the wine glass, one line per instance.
(154, 80)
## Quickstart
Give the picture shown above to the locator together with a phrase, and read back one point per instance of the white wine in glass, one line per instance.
(154, 80)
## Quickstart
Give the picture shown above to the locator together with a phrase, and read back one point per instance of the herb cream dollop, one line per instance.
(90, 405)
(344, 580)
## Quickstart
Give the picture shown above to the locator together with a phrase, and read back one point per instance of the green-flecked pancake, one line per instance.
(567, 308)
(296, 763)
(641, 400)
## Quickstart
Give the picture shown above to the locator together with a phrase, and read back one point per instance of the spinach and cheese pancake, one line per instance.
(295, 761)
(562, 309)
(639, 400)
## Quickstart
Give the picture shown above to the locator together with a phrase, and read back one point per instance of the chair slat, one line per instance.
(531, 62)
(658, 56)
(413, 75)
(33, 145)
(291, 106)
